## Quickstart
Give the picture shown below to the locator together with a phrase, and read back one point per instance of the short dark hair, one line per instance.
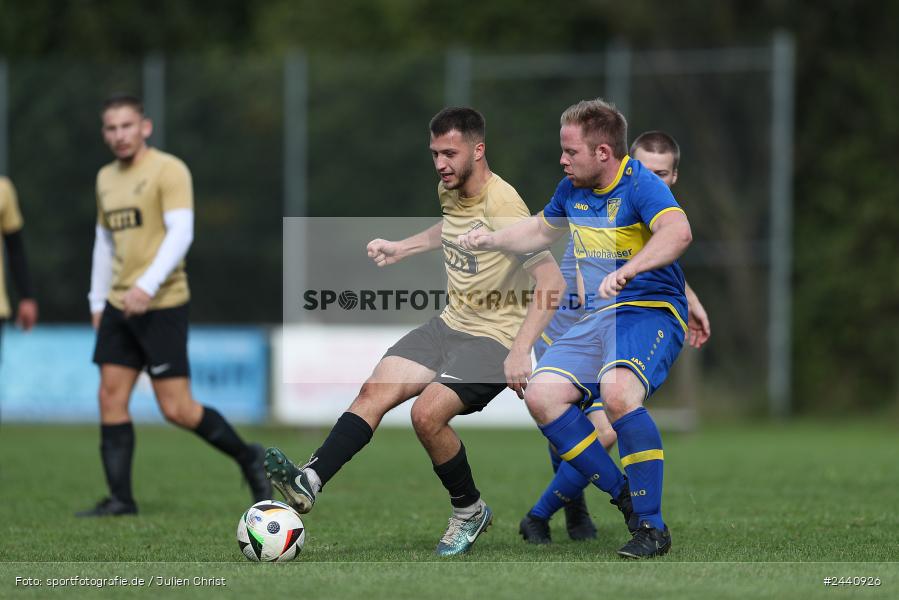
(123, 99)
(657, 142)
(467, 121)
(601, 123)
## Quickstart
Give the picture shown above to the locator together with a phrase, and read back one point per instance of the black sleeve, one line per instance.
(18, 266)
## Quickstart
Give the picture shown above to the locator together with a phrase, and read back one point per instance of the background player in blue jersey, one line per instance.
(628, 232)
(660, 153)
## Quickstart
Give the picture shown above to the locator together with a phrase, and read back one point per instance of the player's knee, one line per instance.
(112, 399)
(614, 405)
(537, 398)
(607, 437)
(424, 420)
(171, 412)
(179, 411)
(618, 400)
(373, 400)
(532, 397)
(621, 392)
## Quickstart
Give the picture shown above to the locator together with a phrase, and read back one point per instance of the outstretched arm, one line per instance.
(549, 287)
(385, 252)
(671, 236)
(529, 235)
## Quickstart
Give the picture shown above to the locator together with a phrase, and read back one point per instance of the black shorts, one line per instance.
(470, 365)
(156, 340)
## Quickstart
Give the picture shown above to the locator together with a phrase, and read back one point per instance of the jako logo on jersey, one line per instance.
(639, 363)
(581, 206)
(612, 206)
(123, 218)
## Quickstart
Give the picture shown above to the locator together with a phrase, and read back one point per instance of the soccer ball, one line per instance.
(270, 531)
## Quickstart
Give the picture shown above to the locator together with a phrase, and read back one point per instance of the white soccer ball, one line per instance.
(270, 531)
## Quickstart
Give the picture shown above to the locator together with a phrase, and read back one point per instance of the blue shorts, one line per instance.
(566, 316)
(644, 340)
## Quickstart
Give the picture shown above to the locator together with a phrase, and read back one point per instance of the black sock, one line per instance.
(455, 474)
(348, 436)
(116, 450)
(217, 431)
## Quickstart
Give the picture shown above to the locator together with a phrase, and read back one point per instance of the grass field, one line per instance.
(755, 511)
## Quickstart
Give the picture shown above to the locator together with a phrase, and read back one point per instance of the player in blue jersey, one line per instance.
(628, 232)
(660, 153)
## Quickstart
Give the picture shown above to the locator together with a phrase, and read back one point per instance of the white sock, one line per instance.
(314, 480)
(467, 512)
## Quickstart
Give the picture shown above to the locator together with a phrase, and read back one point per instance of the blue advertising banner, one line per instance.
(47, 375)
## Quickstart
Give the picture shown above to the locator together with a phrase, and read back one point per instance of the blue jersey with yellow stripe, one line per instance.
(610, 226)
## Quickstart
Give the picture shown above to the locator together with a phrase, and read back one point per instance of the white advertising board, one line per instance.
(317, 371)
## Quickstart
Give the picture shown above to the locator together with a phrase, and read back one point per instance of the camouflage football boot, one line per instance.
(290, 480)
(461, 534)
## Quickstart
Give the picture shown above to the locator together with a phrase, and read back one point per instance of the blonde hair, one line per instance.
(600, 122)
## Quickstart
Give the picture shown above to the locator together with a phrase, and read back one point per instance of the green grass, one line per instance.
(755, 511)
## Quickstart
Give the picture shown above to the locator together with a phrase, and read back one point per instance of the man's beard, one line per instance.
(127, 158)
(463, 176)
(586, 182)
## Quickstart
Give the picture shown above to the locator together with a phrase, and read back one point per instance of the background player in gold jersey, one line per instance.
(11, 224)
(139, 302)
(460, 360)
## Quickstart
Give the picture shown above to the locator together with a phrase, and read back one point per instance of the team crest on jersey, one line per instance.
(612, 206)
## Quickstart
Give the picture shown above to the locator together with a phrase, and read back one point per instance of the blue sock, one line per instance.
(554, 457)
(575, 438)
(640, 448)
(567, 485)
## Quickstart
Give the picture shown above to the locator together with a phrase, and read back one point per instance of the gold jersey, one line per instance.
(10, 222)
(488, 290)
(131, 201)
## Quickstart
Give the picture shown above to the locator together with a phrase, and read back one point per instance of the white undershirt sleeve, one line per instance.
(179, 233)
(101, 269)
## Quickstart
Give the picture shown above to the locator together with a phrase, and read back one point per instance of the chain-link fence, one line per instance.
(346, 136)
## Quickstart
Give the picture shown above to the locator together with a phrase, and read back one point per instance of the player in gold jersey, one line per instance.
(11, 224)
(139, 303)
(460, 360)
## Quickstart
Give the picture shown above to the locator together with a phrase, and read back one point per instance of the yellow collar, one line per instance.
(615, 181)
